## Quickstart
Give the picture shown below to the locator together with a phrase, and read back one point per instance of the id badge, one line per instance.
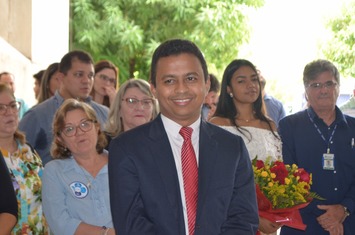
(328, 161)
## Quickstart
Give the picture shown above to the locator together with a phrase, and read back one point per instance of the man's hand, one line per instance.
(266, 226)
(338, 229)
(332, 219)
(111, 92)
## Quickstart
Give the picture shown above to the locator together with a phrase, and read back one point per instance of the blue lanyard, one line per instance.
(321, 134)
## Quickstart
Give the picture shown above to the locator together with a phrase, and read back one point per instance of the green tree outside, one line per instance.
(127, 32)
(341, 47)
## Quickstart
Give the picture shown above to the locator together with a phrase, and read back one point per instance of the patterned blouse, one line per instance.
(25, 169)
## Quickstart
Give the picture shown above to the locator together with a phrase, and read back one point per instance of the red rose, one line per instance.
(279, 169)
(303, 175)
(259, 164)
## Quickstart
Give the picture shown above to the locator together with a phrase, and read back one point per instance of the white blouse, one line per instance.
(259, 142)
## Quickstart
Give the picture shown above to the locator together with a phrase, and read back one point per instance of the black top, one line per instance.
(8, 201)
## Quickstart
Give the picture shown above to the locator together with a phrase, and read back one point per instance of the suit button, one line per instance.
(197, 227)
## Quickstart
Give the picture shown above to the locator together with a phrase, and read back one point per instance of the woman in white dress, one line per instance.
(240, 110)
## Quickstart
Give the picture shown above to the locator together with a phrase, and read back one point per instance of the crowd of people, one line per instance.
(169, 156)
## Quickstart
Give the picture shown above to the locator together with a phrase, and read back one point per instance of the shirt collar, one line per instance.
(60, 99)
(172, 128)
(339, 116)
(73, 165)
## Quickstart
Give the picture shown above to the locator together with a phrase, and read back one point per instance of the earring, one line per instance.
(231, 95)
(64, 148)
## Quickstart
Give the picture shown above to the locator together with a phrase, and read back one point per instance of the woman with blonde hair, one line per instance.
(134, 105)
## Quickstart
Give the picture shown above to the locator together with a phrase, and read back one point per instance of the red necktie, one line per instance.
(190, 176)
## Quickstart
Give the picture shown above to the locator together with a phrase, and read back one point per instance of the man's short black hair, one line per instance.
(66, 62)
(176, 47)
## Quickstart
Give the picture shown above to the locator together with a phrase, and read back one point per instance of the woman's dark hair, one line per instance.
(226, 107)
(45, 92)
(106, 64)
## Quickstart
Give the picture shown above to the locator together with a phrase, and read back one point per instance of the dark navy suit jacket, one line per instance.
(144, 187)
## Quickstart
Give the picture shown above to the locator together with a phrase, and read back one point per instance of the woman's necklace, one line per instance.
(246, 120)
(87, 177)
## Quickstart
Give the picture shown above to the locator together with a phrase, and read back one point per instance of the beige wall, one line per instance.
(15, 26)
(33, 34)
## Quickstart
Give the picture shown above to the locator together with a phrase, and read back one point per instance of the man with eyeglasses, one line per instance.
(320, 139)
(76, 72)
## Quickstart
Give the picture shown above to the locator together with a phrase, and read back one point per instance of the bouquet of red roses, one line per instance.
(281, 191)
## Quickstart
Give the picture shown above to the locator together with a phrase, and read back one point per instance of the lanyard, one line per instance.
(321, 134)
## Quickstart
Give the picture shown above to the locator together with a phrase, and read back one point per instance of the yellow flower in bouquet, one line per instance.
(283, 185)
(282, 190)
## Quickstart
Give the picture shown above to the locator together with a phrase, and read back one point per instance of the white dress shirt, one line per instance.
(172, 129)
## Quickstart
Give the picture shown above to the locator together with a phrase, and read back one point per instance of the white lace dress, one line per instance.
(259, 142)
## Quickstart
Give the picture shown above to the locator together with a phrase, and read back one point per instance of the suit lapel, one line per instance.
(207, 157)
(164, 159)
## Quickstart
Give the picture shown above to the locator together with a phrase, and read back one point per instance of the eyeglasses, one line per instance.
(84, 126)
(319, 86)
(133, 102)
(107, 79)
(13, 106)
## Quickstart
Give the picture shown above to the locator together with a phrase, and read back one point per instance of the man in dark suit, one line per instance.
(150, 188)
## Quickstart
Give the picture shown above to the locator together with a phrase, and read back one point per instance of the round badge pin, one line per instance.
(79, 189)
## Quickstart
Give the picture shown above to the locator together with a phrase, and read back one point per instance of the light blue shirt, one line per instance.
(274, 108)
(37, 123)
(23, 109)
(67, 199)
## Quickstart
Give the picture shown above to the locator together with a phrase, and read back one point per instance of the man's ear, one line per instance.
(153, 90)
(208, 85)
(60, 77)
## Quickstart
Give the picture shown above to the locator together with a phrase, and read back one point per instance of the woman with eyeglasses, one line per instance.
(133, 106)
(24, 166)
(105, 83)
(75, 184)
